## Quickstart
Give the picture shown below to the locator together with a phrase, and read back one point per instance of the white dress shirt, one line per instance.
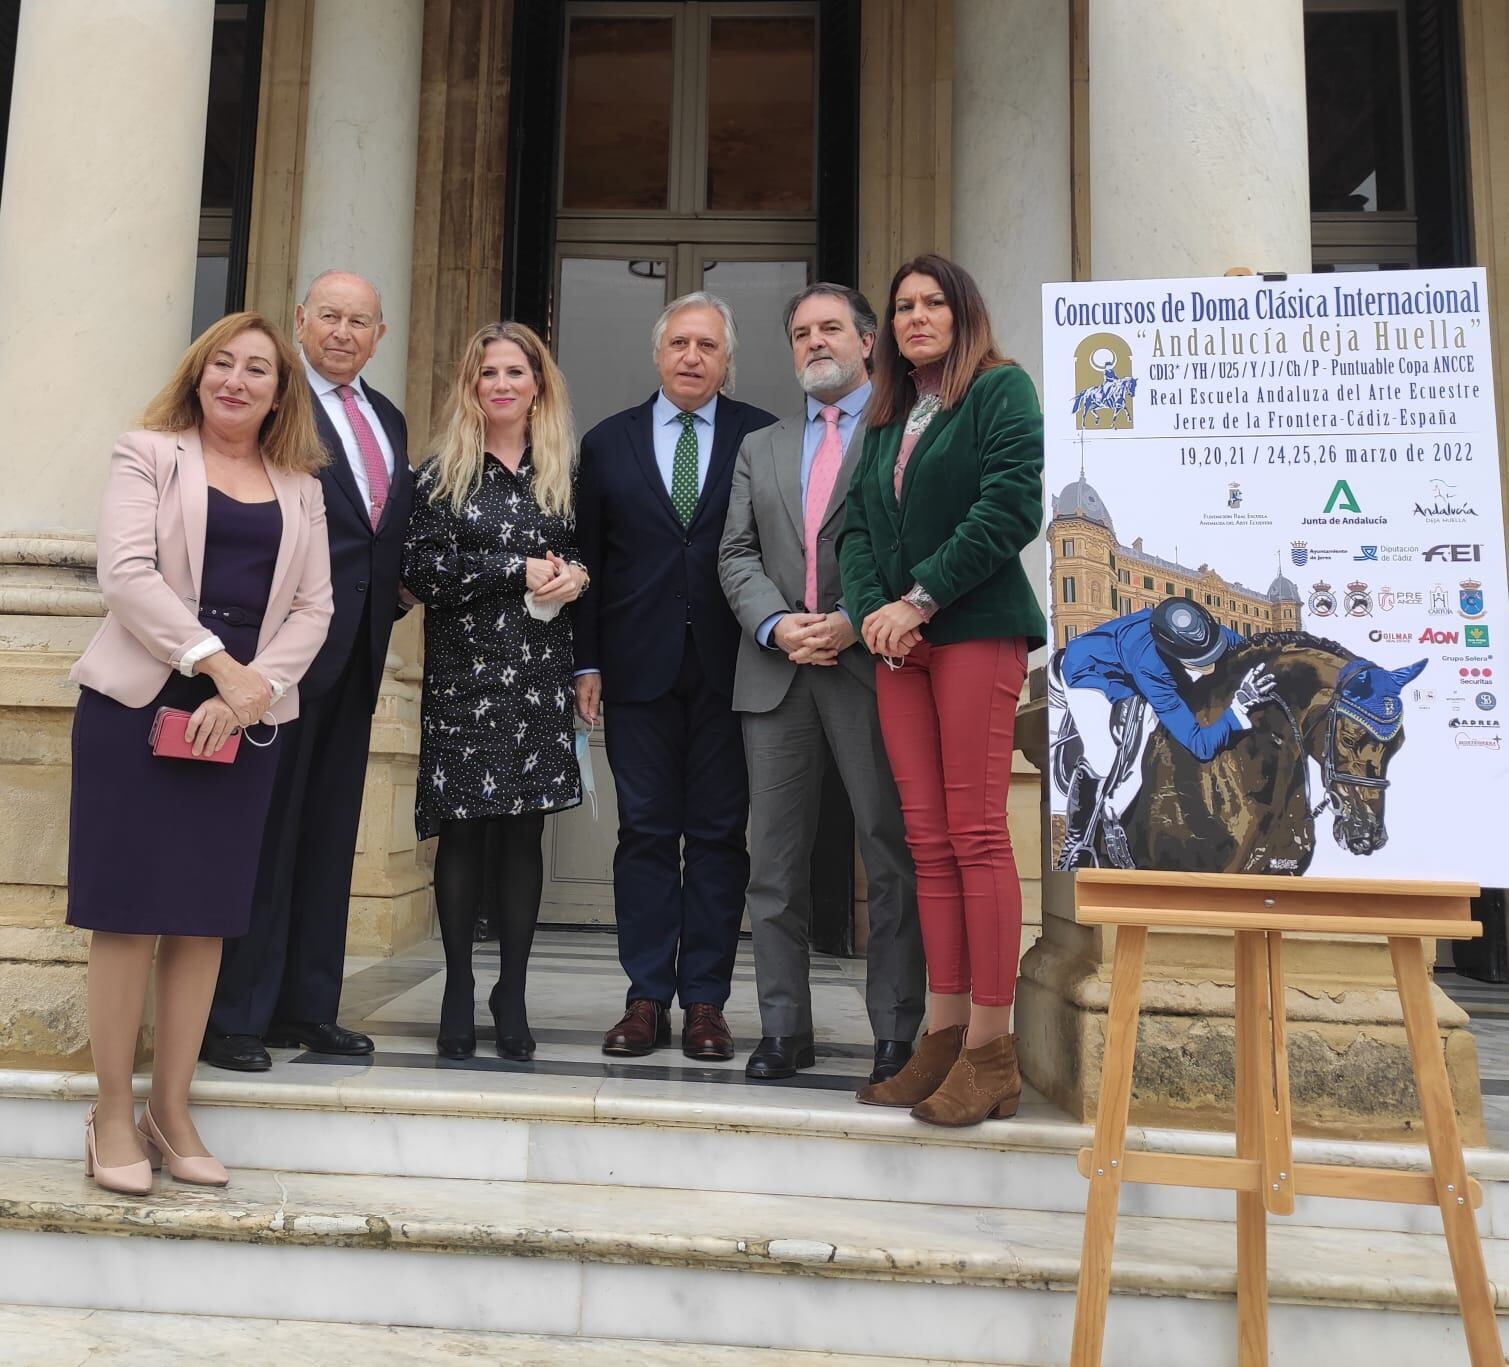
(335, 410)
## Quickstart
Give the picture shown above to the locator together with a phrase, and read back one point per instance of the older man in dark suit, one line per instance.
(806, 691)
(281, 984)
(655, 643)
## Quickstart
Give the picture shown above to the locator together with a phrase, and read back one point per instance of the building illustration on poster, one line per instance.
(1276, 575)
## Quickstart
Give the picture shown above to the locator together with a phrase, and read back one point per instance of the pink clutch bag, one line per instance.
(166, 738)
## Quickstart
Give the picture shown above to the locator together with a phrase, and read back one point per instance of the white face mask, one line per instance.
(584, 763)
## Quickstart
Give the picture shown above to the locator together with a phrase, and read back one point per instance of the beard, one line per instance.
(826, 375)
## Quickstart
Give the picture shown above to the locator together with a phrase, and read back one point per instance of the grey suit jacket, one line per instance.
(762, 563)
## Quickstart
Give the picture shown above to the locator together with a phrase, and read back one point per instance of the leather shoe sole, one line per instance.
(709, 1051)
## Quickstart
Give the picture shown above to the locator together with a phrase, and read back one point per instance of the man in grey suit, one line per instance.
(805, 691)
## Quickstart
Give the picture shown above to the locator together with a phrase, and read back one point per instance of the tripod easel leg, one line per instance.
(1254, 1043)
(1447, 1165)
(1110, 1147)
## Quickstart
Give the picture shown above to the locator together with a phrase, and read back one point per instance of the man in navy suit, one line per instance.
(656, 642)
(281, 983)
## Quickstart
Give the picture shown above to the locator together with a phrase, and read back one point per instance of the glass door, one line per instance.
(687, 160)
(688, 155)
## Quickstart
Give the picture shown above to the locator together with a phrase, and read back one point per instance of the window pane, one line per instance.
(226, 116)
(757, 292)
(761, 134)
(1355, 95)
(607, 311)
(618, 114)
(211, 274)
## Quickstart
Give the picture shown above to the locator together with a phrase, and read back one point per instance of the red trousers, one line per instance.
(947, 716)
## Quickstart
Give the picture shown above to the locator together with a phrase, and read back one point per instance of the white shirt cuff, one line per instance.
(192, 656)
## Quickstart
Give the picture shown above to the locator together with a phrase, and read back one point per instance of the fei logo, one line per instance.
(1342, 499)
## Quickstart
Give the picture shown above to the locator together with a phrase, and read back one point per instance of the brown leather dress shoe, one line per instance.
(705, 1034)
(984, 1084)
(923, 1074)
(645, 1025)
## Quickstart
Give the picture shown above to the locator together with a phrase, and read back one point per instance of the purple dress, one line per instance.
(170, 846)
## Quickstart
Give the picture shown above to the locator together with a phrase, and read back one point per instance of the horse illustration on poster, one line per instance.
(1248, 800)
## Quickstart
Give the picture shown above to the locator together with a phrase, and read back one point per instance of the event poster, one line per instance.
(1277, 584)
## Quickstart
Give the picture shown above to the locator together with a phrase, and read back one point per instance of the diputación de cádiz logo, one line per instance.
(1104, 385)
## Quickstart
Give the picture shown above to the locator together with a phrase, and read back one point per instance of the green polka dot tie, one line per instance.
(684, 471)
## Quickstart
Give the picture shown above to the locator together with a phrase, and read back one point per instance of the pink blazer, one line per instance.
(151, 557)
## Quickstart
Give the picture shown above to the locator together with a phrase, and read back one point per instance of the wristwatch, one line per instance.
(922, 600)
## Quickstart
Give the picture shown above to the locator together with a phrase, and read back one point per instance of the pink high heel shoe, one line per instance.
(130, 1179)
(206, 1171)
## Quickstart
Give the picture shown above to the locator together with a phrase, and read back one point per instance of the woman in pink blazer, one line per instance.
(215, 568)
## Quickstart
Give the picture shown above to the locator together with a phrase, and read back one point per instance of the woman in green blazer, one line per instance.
(946, 494)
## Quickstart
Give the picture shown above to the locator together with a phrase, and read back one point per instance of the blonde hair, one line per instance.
(459, 453)
(288, 438)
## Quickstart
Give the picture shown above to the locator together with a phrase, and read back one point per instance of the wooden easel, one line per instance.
(1260, 910)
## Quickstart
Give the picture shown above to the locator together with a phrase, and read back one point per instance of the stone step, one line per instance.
(542, 1128)
(40, 1336)
(886, 1278)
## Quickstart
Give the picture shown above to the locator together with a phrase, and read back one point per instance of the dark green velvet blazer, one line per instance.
(971, 499)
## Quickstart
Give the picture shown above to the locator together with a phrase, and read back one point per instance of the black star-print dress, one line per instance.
(496, 735)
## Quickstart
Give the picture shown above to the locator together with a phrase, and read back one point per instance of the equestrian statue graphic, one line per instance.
(1184, 746)
(1112, 395)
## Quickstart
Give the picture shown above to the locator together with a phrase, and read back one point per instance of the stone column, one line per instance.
(360, 149)
(1011, 231)
(1199, 155)
(356, 211)
(1197, 161)
(99, 224)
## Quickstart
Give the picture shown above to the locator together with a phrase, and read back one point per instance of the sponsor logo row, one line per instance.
(1359, 600)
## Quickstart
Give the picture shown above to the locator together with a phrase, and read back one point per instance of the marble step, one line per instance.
(39, 1336)
(779, 1142)
(891, 1279)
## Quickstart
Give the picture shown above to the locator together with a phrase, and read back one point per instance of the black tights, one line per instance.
(460, 888)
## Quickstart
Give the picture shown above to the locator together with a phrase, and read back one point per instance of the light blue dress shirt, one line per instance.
(665, 422)
(849, 409)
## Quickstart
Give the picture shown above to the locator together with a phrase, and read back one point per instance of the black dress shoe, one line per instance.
(780, 1056)
(325, 1038)
(517, 1048)
(891, 1057)
(456, 1047)
(239, 1053)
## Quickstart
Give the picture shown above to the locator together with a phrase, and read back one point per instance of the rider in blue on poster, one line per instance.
(1130, 658)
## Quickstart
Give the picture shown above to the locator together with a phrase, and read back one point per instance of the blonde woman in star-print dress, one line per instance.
(493, 519)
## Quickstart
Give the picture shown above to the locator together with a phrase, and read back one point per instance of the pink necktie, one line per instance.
(820, 481)
(366, 443)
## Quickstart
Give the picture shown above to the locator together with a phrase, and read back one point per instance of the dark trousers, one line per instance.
(288, 966)
(681, 864)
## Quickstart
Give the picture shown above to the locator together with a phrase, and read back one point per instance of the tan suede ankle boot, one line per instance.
(923, 1072)
(984, 1083)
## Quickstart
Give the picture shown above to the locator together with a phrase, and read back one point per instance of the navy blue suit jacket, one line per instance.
(364, 564)
(650, 575)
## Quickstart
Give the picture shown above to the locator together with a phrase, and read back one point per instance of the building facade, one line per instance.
(576, 164)
(1093, 577)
